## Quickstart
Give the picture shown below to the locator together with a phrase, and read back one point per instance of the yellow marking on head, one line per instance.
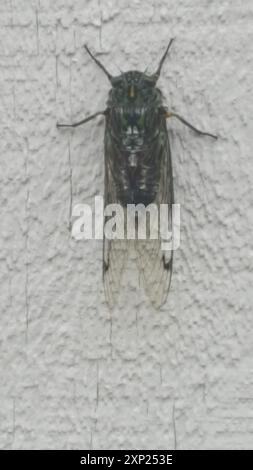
(132, 91)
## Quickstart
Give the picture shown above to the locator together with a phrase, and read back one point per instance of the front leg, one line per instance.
(169, 115)
(89, 118)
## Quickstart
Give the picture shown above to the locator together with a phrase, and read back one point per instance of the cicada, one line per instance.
(138, 170)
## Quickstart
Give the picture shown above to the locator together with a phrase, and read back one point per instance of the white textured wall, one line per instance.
(183, 374)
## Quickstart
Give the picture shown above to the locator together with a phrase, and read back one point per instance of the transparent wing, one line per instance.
(114, 251)
(155, 263)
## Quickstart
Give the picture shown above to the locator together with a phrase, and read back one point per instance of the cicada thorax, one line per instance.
(134, 121)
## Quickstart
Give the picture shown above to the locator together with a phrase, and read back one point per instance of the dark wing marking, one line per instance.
(155, 264)
(114, 251)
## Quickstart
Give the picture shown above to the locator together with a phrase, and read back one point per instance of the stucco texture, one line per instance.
(72, 374)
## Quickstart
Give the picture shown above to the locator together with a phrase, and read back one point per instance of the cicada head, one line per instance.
(133, 97)
(132, 88)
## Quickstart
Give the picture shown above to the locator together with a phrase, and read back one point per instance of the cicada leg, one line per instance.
(76, 124)
(169, 115)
